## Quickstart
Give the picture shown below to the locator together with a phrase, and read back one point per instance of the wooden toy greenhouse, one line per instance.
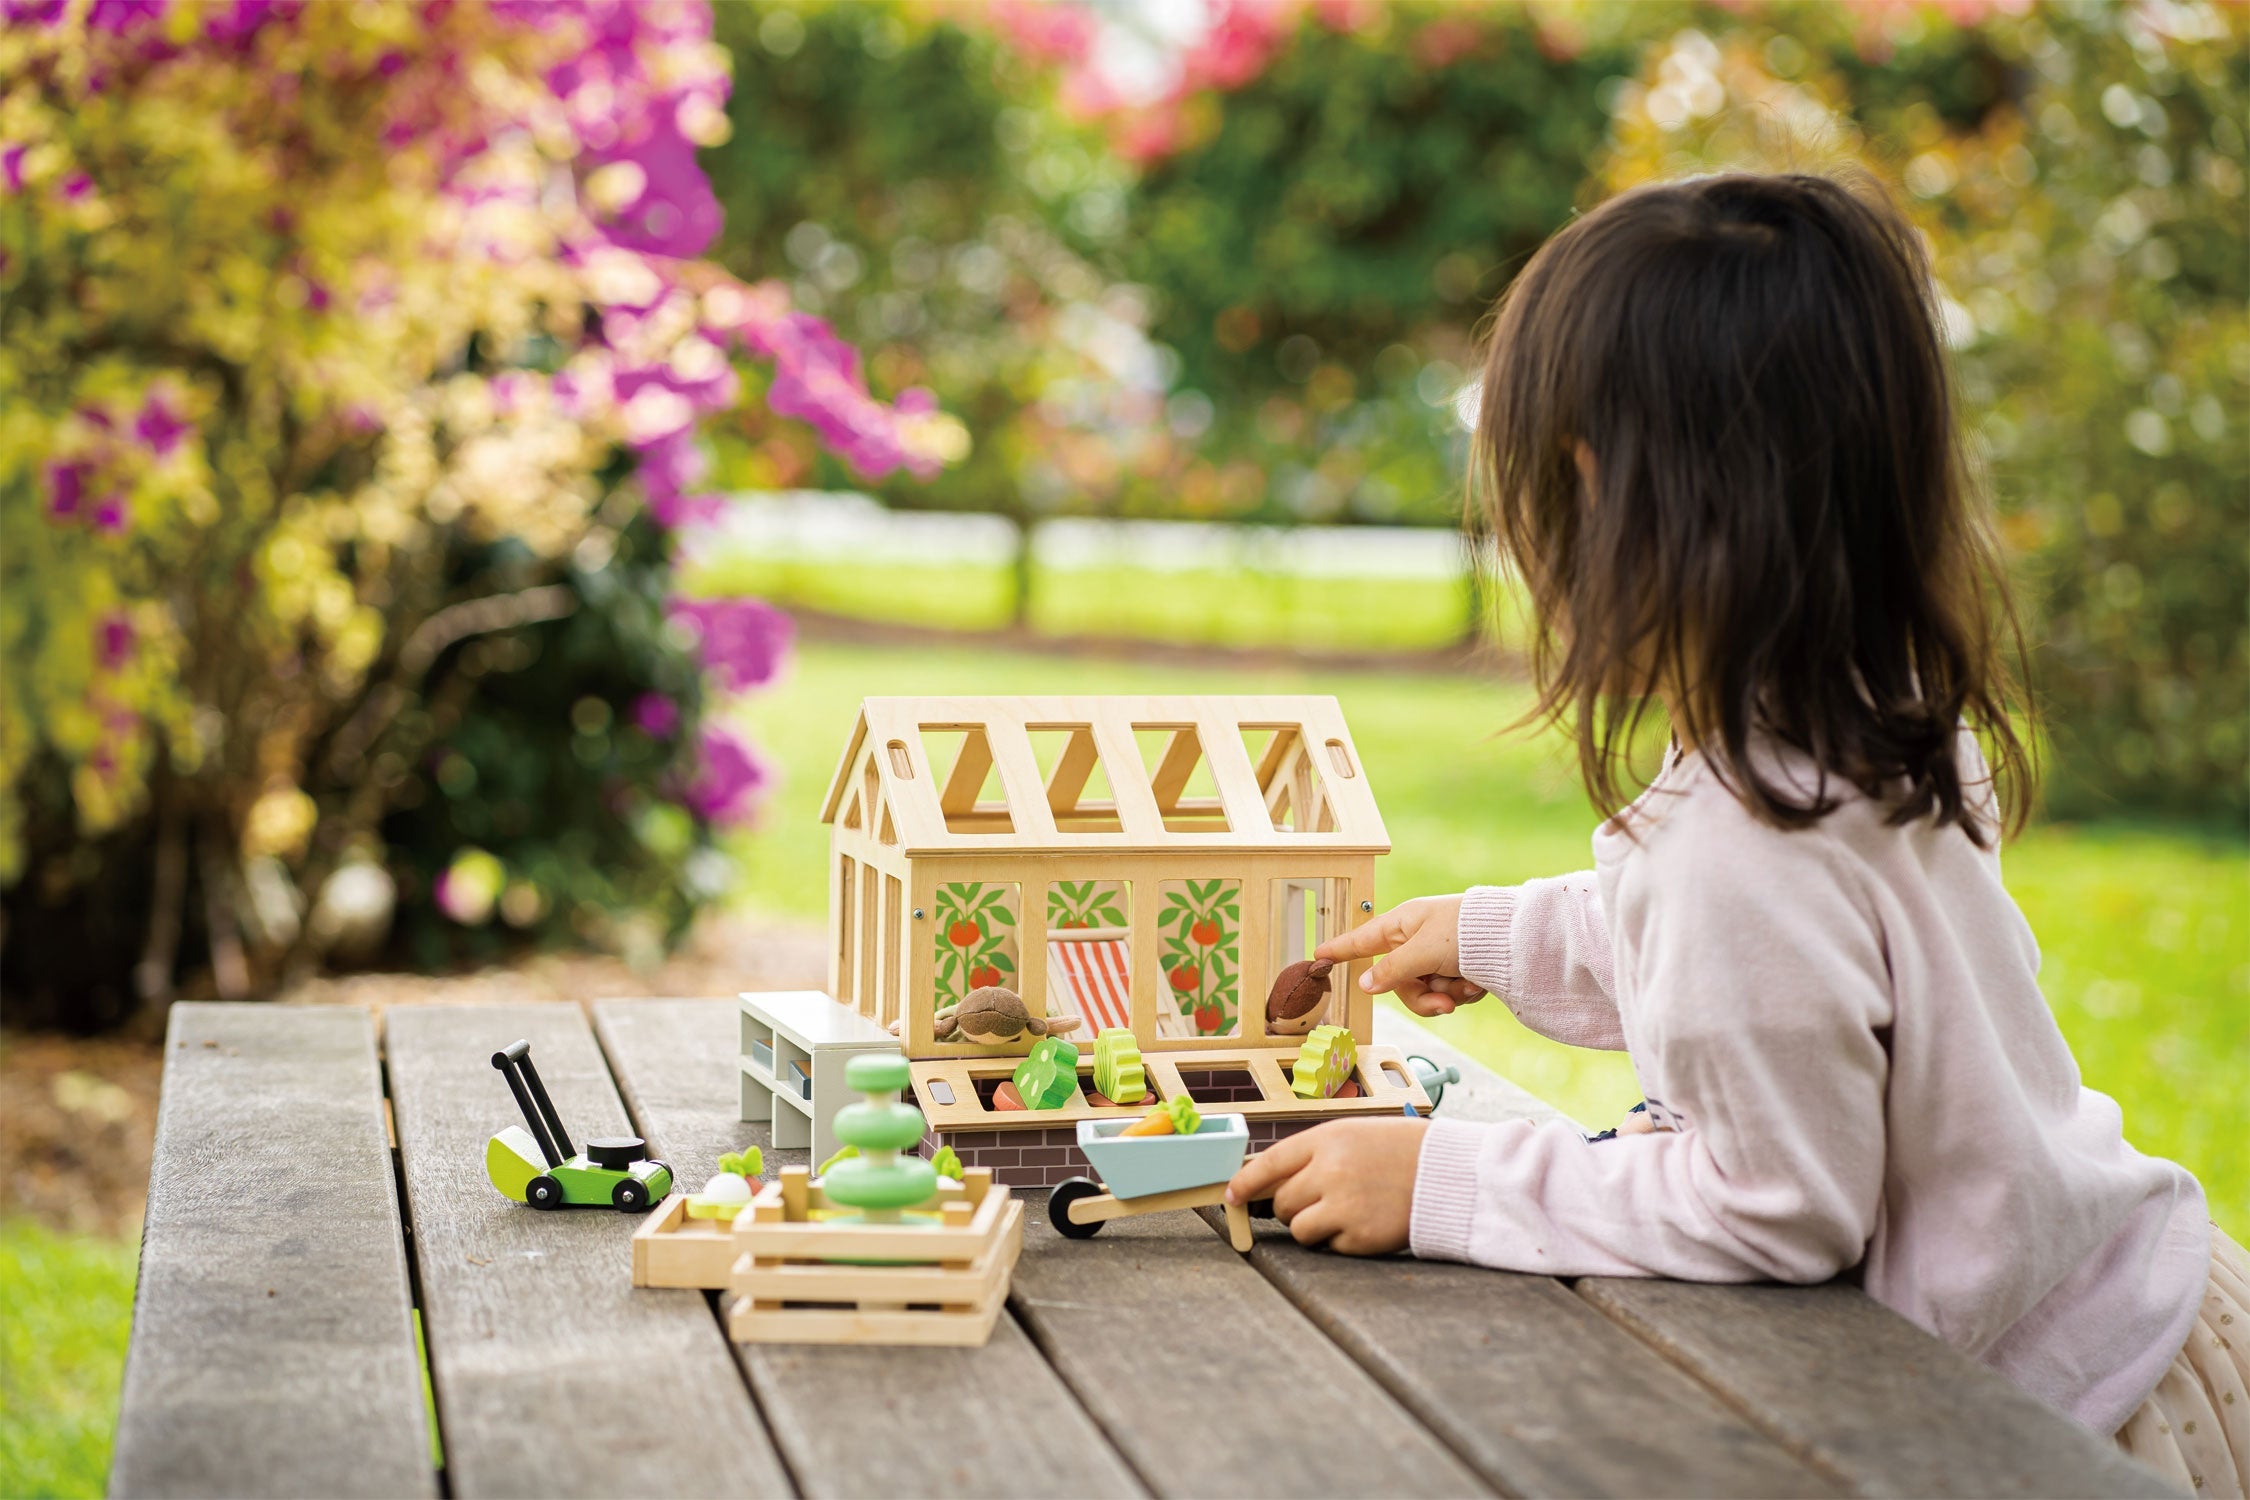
(1125, 865)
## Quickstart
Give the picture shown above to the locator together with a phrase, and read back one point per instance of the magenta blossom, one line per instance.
(76, 186)
(11, 166)
(743, 641)
(113, 640)
(657, 715)
(66, 488)
(159, 426)
(109, 516)
(728, 779)
(120, 16)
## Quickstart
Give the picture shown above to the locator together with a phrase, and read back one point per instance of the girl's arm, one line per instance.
(1762, 995)
(1543, 948)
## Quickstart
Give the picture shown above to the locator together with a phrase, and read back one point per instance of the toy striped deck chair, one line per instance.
(1090, 975)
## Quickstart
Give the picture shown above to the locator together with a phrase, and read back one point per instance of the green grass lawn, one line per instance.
(2146, 931)
(1237, 607)
(69, 1307)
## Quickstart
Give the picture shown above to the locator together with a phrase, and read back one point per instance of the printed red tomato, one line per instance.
(1205, 933)
(1185, 978)
(1208, 1020)
(983, 975)
(964, 934)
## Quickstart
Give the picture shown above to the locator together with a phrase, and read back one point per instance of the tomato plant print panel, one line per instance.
(975, 942)
(1199, 930)
(1078, 904)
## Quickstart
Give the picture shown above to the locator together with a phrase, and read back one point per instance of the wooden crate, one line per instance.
(935, 1284)
(671, 1249)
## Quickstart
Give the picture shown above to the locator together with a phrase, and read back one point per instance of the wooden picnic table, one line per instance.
(318, 1204)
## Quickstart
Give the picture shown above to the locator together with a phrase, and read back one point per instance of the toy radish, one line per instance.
(728, 1191)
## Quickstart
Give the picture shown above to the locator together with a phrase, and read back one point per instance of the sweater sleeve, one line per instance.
(1762, 992)
(1543, 948)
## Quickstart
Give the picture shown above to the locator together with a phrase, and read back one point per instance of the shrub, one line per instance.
(340, 349)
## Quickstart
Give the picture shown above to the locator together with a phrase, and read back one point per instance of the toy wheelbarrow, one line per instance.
(1146, 1174)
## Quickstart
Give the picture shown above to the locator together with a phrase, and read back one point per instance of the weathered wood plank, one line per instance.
(1206, 1377)
(273, 1339)
(987, 1422)
(554, 1375)
(1867, 1396)
(1540, 1393)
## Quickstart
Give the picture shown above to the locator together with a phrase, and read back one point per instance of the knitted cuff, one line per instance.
(1445, 1190)
(1488, 919)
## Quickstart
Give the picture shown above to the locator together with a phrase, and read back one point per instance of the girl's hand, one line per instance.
(1421, 944)
(1348, 1184)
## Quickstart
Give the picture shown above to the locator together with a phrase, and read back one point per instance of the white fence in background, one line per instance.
(813, 526)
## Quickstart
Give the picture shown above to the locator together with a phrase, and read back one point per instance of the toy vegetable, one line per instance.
(728, 1191)
(1175, 1116)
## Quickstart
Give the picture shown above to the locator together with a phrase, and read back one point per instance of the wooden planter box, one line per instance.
(671, 1249)
(793, 1280)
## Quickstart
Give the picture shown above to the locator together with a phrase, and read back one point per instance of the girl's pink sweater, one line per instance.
(1849, 1064)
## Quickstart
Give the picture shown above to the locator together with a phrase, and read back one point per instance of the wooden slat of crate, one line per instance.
(671, 1249)
(554, 1374)
(951, 1286)
(273, 1338)
(674, 1060)
(1863, 1394)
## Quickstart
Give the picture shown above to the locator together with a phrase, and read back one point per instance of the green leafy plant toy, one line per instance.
(879, 1181)
(946, 1163)
(841, 1153)
(1048, 1077)
(1119, 1075)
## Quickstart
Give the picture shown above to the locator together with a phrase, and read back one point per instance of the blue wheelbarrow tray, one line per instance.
(1138, 1165)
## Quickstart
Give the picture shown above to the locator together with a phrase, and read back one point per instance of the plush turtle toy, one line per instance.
(995, 1016)
(1299, 998)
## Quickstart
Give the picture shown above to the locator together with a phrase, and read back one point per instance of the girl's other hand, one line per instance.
(1421, 948)
(1348, 1184)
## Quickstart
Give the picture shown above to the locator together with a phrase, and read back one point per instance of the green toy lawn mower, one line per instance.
(543, 1169)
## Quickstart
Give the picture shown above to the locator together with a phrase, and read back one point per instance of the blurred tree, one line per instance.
(2081, 174)
(328, 338)
(946, 235)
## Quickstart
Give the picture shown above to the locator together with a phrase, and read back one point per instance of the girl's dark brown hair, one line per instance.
(1718, 446)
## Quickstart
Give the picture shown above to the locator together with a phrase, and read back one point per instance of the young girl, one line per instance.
(1718, 446)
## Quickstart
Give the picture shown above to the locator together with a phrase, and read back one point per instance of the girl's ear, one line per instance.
(1584, 456)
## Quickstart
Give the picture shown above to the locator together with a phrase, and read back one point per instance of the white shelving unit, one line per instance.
(795, 1044)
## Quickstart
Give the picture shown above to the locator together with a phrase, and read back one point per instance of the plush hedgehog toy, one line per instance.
(1298, 999)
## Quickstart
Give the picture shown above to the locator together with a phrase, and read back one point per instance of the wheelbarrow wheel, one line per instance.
(1067, 1192)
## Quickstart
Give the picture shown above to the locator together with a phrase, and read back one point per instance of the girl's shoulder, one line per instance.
(1691, 820)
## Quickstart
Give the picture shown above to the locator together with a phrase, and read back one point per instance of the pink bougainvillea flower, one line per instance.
(66, 489)
(728, 779)
(120, 16)
(76, 186)
(110, 514)
(113, 640)
(676, 214)
(36, 12)
(159, 426)
(657, 715)
(742, 641)
(11, 166)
